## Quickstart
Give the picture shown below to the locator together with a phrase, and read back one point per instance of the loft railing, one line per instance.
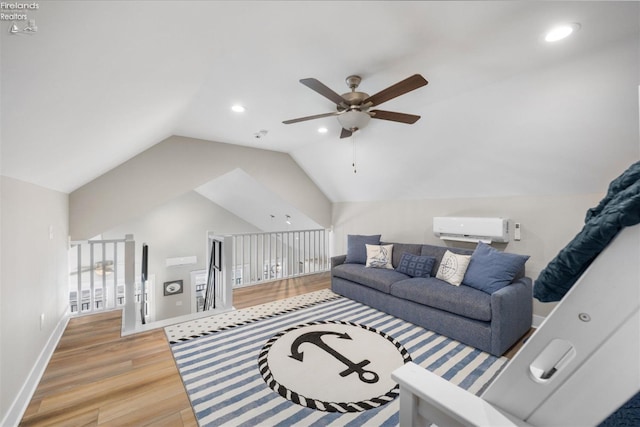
(96, 279)
(101, 277)
(102, 272)
(263, 257)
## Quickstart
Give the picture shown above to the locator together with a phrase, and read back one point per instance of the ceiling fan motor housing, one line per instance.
(354, 99)
(353, 82)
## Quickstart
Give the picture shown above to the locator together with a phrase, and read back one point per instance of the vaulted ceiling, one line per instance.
(504, 113)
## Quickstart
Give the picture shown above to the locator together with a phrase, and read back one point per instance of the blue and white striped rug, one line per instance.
(220, 367)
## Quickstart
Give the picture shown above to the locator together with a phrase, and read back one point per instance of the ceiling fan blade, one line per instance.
(394, 117)
(346, 133)
(83, 270)
(323, 90)
(303, 119)
(400, 88)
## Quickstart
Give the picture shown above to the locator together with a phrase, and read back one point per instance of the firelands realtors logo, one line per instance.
(19, 15)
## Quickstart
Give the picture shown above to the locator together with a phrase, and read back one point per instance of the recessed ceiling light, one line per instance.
(323, 130)
(238, 108)
(561, 32)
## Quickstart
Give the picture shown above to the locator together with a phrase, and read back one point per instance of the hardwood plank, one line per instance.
(64, 417)
(188, 420)
(94, 370)
(172, 420)
(100, 361)
(164, 398)
(97, 378)
(273, 291)
(105, 390)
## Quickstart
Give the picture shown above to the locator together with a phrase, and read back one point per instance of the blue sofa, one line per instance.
(491, 322)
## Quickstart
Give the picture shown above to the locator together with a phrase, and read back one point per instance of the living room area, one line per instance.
(124, 118)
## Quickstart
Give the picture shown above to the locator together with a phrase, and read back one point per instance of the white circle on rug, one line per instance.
(333, 366)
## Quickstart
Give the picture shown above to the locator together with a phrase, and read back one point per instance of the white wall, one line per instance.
(548, 223)
(177, 229)
(177, 165)
(34, 279)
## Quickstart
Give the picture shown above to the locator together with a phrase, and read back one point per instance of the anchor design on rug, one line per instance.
(315, 337)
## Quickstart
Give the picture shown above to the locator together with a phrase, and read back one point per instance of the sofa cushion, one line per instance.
(438, 252)
(453, 267)
(416, 265)
(379, 256)
(401, 248)
(491, 269)
(379, 279)
(356, 249)
(432, 292)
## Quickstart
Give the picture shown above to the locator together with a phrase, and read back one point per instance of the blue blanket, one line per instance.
(618, 209)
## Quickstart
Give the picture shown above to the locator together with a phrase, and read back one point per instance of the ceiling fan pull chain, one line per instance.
(353, 141)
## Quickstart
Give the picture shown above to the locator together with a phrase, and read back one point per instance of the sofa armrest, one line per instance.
(511, 314)
(337, 260)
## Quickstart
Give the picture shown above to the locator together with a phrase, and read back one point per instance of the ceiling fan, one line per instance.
(353, 108)
(100, 268)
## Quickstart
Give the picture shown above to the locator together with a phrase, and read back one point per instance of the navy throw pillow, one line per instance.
(491, 270)
(356, 247)
(415, 265)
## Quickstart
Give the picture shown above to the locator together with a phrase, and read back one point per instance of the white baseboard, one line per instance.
(537, 320)
(20, 403)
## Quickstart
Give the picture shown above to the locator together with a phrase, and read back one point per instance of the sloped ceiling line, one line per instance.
(178, 165)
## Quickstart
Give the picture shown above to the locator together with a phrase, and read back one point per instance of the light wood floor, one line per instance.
(95, 377)
(98, 378)
(274, 291)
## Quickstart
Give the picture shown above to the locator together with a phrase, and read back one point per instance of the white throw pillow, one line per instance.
(379, 256)
(452, 268)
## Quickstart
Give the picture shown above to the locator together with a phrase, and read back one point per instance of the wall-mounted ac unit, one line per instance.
(471, 229)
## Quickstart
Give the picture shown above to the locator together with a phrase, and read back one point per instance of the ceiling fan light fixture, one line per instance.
(323, 130)
(237, 108)
(354, 120)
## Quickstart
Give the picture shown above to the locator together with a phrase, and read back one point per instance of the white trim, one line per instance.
(537, 321)
(19, 406)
